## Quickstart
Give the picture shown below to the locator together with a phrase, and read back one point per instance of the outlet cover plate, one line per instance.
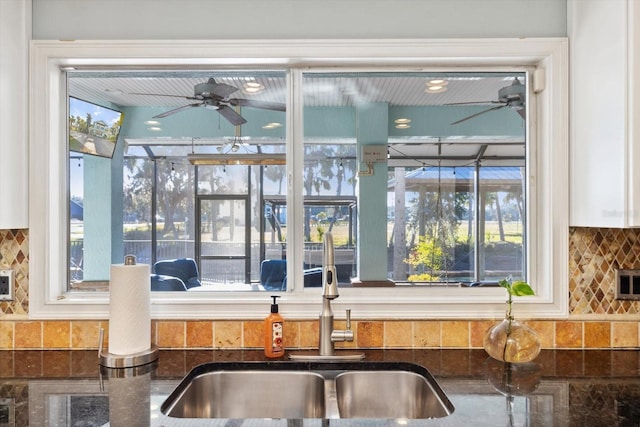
(6, 285)
(628, 284)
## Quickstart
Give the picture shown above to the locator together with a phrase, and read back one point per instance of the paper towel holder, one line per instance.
(110, 360)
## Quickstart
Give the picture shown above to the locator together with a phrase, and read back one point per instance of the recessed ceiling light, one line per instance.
(402, 120)
(155, 128)
(403, 126)
(435, 89)
(437, 82)
(252, 87)
(152, 122)
(272, 125)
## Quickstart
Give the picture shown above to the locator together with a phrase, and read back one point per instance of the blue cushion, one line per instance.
(166, 283)
(184, 269)
(273, 273)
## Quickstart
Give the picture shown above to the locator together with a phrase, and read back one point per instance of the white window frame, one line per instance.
(547, 169)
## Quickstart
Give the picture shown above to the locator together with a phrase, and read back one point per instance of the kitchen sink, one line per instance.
(295, 390)
(388, 394)
(251, 394)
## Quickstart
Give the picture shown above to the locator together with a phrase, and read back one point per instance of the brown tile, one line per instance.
(28, 335)
(370, 334)
(253, 333)
(6, 335)
(85, 334)
(83, 364)
(598, 363)
(29, 364)
(56, 334)
(568, 334)
(398, 334)
(545, 330)
(455, 333)
(625, 363)
(624, 334)
(57, 363)
(200, 334)
(290, 335)
(478, 329)
(171, 334)
(228, 334)
(309, 334)
(597, 334)
(6, 364)
(426, 334)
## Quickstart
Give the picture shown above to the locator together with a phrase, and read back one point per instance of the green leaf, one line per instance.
(505, 284)
(521, 289)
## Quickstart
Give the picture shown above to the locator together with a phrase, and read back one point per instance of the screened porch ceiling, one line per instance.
(492, 137)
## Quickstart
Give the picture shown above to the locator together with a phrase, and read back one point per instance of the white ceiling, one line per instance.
(328, 90)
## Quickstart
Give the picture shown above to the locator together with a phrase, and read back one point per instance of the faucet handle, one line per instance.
(348, 319)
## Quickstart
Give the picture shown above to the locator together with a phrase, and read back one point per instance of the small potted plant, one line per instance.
(509, 340)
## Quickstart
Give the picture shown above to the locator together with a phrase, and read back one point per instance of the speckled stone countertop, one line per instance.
(560, 388)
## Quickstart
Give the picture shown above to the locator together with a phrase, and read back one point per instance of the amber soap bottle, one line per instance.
(273, 328)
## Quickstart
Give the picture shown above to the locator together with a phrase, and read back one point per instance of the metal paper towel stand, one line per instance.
(111, 360)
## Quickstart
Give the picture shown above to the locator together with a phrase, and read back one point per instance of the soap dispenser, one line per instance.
(273, 329)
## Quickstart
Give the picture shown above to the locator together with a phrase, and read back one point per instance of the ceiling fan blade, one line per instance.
(233, 117)
(474, 103)
(477, 114)
(176, 110)
(276, 106)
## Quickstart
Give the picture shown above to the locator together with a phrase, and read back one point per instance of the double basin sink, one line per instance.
(308, 390)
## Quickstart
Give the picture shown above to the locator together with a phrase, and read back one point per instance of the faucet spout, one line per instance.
(328, 335)
(329, 275)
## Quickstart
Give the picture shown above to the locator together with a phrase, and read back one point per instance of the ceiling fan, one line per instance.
(512, 96)
(215, 96)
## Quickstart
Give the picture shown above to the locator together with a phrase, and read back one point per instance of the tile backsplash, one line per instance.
(596, 320)
(14, 254)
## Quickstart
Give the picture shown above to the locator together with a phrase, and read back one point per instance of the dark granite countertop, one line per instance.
(560, 388)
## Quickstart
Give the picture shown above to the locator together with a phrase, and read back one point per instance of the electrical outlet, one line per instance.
(628, 284)
(6, 285)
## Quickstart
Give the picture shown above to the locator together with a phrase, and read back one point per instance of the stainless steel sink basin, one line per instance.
(296, 390)
(251, 394)
(389, 394)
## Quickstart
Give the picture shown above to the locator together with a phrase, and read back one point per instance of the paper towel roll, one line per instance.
(130, 309)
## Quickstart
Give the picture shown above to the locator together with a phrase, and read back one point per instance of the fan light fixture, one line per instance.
(253, 159)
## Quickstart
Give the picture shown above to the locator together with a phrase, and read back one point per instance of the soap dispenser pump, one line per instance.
(273, 332)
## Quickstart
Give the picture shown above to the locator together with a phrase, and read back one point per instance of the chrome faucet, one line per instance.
(328, 335)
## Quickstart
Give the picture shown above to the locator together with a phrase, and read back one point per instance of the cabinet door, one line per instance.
(15, 33)
(604, 148)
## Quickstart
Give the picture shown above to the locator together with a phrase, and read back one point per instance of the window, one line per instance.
(544, 169)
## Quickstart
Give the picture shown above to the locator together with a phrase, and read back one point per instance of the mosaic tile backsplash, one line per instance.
(597, 320)
(14, 254)
(594, 256)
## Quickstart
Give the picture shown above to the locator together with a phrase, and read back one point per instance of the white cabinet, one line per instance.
(604, 113)
(15, 33)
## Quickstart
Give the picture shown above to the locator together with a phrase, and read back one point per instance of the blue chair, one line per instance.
(184, 269)
(166, 283)
(273, 275)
